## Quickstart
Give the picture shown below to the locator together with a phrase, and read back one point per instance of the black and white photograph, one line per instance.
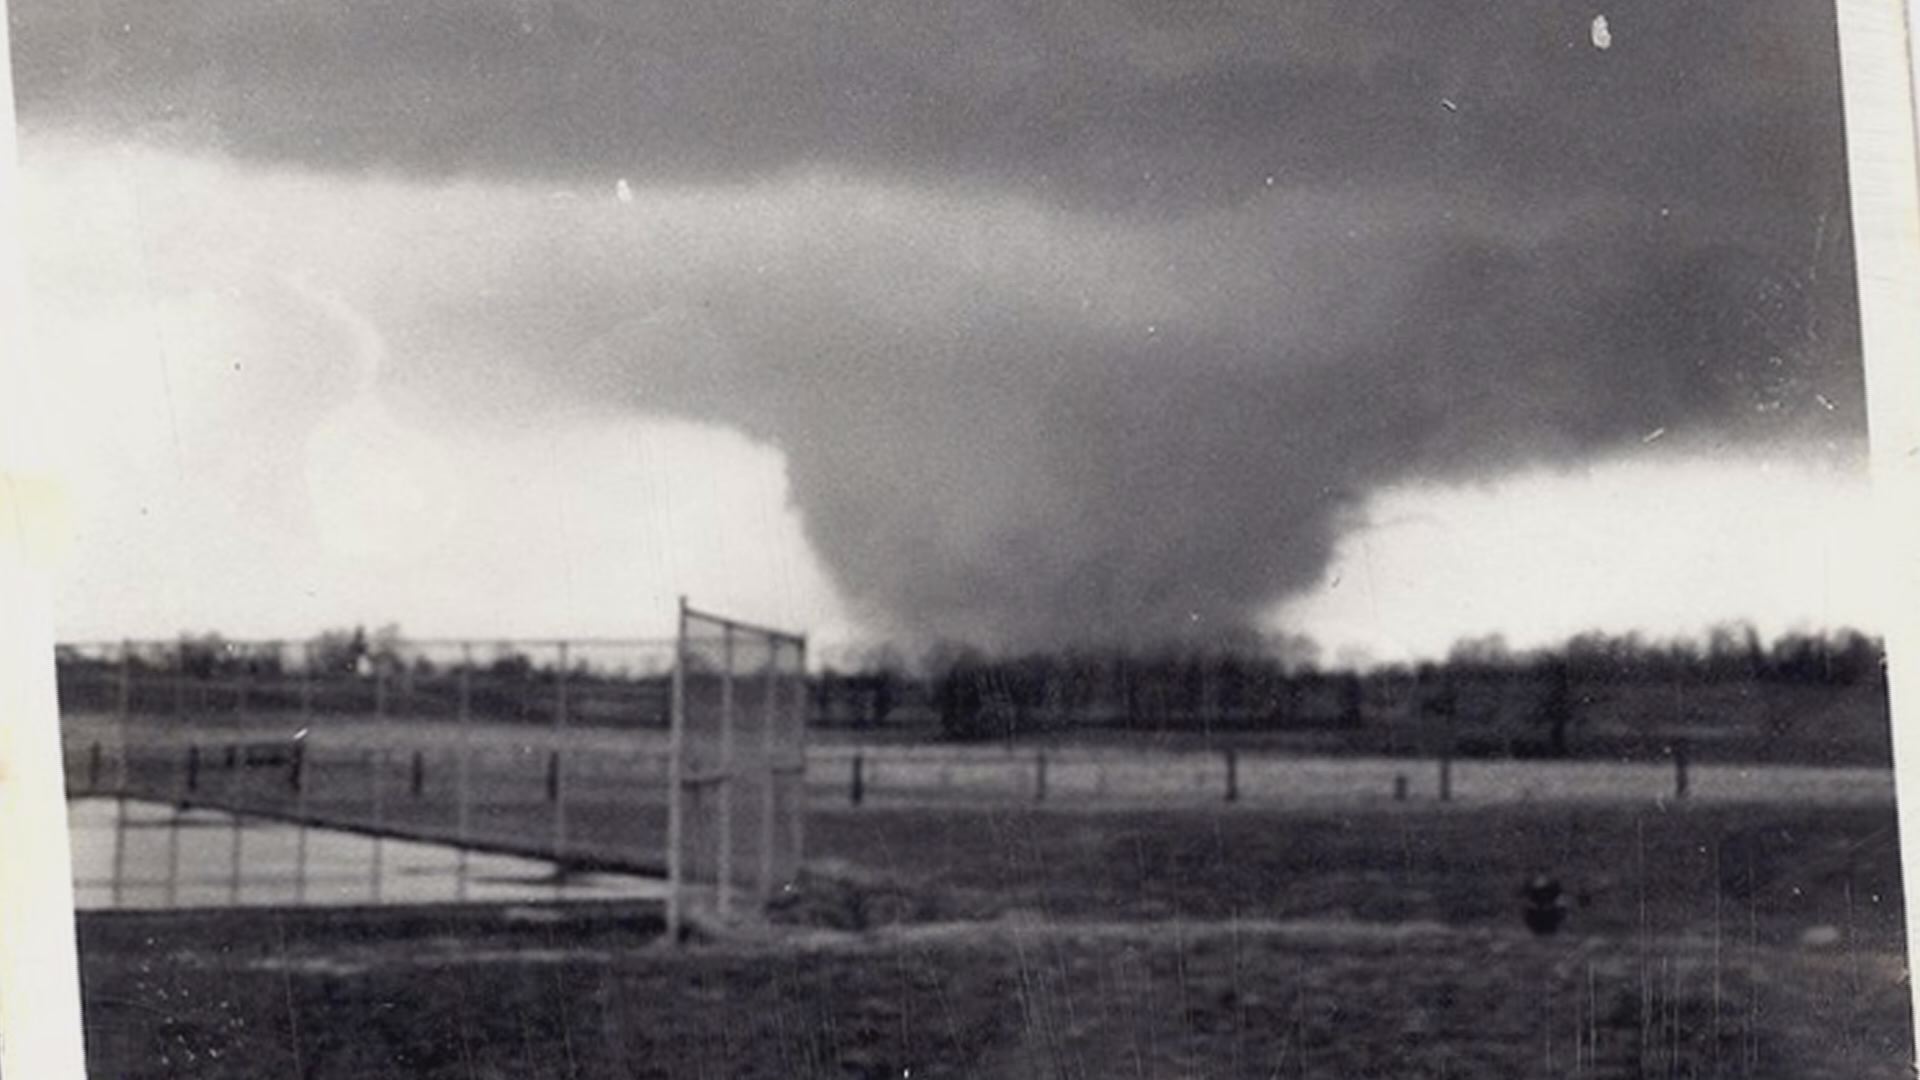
(966, 538)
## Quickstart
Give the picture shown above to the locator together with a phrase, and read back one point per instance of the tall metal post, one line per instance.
(308, 656)
(464, 774)
(675, 778)
(768, 772)
(797, 768)
(724, 783)
(560, 756)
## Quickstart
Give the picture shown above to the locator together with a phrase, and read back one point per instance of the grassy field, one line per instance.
(1017, 1000)
(1739, 872)
(1803, 860)
(1008, 939)
(1230, 942)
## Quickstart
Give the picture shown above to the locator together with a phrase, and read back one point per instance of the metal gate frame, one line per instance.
(789, 768)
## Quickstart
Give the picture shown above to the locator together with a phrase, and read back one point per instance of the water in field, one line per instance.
(136, 854)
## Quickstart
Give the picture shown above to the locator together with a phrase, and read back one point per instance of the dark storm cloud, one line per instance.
(1528, 248)
(1121, 105)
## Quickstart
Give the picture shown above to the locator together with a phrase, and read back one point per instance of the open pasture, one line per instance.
(989, 933)
(1228, 942)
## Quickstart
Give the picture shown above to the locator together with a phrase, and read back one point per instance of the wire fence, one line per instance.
(478, 798)
(1070, 777)
(386, 741)
(562, 752)
(140, 853)
(594, 683)
(736, 829)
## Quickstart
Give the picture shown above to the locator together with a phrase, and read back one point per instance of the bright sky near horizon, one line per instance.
(1387, 336)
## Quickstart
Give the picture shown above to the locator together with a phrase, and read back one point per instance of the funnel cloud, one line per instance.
(1076, 322)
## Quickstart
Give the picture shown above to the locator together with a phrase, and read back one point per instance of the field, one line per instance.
(1723, 941)
(1008, 1000)
(995, 936)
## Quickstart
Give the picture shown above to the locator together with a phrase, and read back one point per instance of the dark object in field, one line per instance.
(1546, 905)
(261, 755)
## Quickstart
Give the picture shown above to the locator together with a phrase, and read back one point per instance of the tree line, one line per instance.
(977, 696)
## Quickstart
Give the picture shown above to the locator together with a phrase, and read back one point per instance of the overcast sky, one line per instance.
(1020, 323)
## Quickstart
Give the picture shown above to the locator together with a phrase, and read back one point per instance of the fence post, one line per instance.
(193, 768)
(859, 790)
(419, 775)
(768, 774)
(556, 781)
(1040, 777)
(675, 775)
(796, 819)
(1680, 769)
(463, 778)
(724, 901)
(93, 768)
(1233, 775)
(463, 717)
(1400, 787)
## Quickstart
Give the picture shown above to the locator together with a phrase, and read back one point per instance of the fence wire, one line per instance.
(740, 743)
